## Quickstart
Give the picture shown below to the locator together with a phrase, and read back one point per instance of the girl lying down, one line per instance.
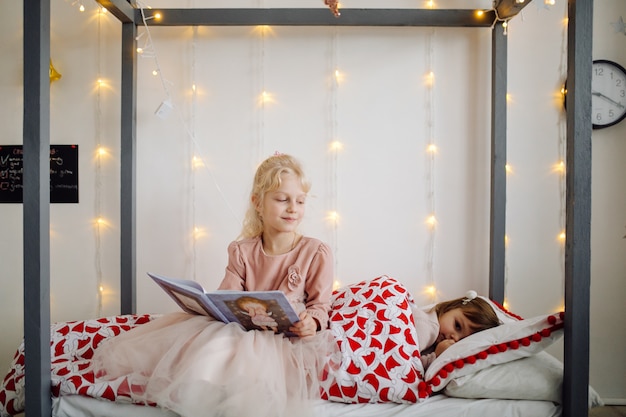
(195, 365)
(450, 321)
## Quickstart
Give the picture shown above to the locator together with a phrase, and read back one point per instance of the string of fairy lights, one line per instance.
(196, 162)
(559, 167)
(100, 154)
(147, 50)
(431, 153)
(335, 147)
(265, 97)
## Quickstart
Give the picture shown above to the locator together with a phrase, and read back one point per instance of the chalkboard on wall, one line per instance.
(63, 173)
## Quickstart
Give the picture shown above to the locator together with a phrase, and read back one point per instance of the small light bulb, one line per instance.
(266, 97)
(199, 233)
(336, 146)
(336, 285)
(505, 28)
(157, 15)
(139, 50)
(197, 162)
(560, 167)
(431, 220)
(432, 148)
(339, 76)
(333, 216)
(429, 78)
(431, 289)
(81, 8)
(561, 307)
(155, 72)
(480, 13)
(562, 236)
(101, 288)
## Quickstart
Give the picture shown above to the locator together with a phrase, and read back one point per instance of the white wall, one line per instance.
(379, 182)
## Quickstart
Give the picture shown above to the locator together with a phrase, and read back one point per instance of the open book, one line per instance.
(254, 310)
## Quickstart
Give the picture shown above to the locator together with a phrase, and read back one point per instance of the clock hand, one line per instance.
(610, 100)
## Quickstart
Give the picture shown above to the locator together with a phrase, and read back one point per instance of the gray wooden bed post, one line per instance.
(497, 230)
(125, 11)
(128, 165)
(36, 207)
(578, 208)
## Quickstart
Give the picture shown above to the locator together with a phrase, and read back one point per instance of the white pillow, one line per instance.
(537, 377)
(511, 340)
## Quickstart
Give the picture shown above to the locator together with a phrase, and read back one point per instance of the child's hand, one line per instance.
(442, 346)
(307, 326)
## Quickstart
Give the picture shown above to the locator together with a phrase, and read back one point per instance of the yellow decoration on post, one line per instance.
(54, 74)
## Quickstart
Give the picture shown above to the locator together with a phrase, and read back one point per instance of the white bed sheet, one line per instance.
(436, 406)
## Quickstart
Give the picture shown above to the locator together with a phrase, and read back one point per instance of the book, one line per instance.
(253, 310)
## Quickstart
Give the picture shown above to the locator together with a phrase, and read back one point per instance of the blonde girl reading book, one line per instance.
(195, 365)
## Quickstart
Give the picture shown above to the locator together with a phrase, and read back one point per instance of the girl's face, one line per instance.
(454, 325)
(282, 210)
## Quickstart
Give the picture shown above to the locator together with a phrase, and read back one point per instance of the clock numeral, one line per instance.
(599, 71)
(599, 117)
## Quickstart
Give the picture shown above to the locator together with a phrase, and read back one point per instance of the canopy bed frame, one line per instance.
(36, 131)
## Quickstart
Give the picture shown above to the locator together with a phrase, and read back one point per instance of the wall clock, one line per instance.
(608, 93)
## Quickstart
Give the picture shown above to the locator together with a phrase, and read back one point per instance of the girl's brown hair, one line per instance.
(477, 311)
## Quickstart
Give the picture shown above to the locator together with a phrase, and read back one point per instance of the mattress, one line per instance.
(436, 406)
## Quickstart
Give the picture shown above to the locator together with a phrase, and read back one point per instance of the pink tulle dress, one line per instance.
(198, 366)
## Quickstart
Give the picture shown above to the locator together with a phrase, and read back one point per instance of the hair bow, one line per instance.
(469, 296)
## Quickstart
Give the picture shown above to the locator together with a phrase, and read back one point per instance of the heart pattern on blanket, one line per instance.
(72, 345)
(378, 359)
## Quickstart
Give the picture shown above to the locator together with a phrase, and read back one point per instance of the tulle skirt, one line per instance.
(197, 366)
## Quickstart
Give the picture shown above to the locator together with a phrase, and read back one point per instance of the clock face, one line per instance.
(608, 94)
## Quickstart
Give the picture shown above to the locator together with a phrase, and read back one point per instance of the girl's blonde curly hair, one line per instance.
(268, 178)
